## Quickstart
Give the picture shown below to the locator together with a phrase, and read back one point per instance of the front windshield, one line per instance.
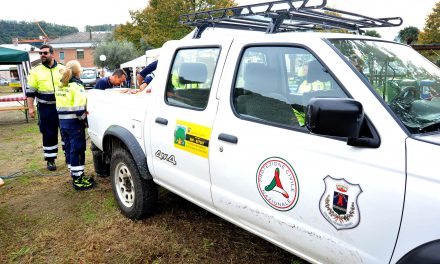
(408, 83)
(88, 75)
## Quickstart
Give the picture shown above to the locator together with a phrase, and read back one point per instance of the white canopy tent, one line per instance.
(133, 64)
(152, 55)
(138, 62)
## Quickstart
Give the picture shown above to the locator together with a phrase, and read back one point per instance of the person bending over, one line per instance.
(116, 79)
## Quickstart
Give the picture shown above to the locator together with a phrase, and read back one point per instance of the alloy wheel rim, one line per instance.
(124, 185)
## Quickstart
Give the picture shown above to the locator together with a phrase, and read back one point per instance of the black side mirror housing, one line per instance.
(339, 117)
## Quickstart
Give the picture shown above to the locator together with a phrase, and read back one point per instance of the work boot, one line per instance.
(90, 180)
(51, 165)
(82, 183)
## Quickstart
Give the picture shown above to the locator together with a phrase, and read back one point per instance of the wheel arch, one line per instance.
(116, 137)
(427, 253)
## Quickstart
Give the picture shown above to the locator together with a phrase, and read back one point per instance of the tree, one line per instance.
(431, 31)
(335, 30)
(159, 21)
(117, 52)
(372, 33)
(23, 29)
(134, 32)
(103, 27)
(409, 35)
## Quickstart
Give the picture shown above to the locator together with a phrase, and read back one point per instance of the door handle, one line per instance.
(161, 121)
(228, 138)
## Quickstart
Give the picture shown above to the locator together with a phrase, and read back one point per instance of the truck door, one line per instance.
(311, 194)
(182, 117)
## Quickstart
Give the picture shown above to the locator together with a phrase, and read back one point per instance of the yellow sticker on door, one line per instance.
(192, 138)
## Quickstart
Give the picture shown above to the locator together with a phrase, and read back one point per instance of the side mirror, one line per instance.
(339, 117)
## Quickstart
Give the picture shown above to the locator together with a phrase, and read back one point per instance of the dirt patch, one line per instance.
(43, 220)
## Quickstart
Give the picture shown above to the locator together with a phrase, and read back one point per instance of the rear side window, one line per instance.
(274, 85)
(190, 80)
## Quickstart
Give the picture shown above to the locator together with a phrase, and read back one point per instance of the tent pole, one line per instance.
(134, 75)
(21, 74)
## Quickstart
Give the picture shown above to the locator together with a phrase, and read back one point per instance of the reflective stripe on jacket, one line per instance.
(42, 82)
(71, 103)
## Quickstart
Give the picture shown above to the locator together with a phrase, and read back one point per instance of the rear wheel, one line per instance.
(136, 196)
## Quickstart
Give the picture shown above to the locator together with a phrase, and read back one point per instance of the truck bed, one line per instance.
(125, 110)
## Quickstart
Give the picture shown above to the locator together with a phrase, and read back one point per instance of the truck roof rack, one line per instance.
(284, 16)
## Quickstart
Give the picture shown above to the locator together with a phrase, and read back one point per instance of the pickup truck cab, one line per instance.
(321, 143)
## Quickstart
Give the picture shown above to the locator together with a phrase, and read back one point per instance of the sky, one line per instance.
(80, 13)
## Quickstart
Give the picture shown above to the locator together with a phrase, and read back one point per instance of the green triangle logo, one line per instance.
(276, 185)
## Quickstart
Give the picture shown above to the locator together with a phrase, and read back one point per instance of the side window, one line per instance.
(275, 84)
(190, 79)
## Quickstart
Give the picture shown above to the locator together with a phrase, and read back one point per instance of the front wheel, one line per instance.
(135, 195)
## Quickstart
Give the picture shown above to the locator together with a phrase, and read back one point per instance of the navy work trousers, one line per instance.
(49, 124)
(75, 148)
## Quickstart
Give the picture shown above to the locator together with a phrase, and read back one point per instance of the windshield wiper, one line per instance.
(433, 126)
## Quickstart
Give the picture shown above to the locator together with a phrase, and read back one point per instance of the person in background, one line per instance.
(129, 74)
(144, 77)
(316, 78)
(358, 63)
(71, 106)
(116, 79)
(42, 81)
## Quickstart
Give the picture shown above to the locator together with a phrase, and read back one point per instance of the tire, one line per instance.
(136, 196)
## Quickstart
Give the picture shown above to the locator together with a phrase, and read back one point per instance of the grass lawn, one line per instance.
(44, 220)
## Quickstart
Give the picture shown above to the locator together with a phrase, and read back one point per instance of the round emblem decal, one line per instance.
(277, 183)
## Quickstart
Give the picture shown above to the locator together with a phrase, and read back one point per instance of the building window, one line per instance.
(80, 54)
(61, 55)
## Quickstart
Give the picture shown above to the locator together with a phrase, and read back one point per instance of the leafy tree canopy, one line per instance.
(372, 33)
(23, 29)
(134, 32)
(103, 27)
(409, 35)
(431, 31)
(431, 34)
(159, 21)
(116, 52)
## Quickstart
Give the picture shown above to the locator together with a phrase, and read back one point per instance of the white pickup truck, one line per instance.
(321, 143)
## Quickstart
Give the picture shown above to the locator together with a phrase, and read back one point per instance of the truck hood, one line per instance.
(431, 138)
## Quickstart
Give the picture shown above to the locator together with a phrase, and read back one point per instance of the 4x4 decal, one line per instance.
(163, 156)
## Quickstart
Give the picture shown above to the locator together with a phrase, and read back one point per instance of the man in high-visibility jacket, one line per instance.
(42, 81)
(317, 79)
